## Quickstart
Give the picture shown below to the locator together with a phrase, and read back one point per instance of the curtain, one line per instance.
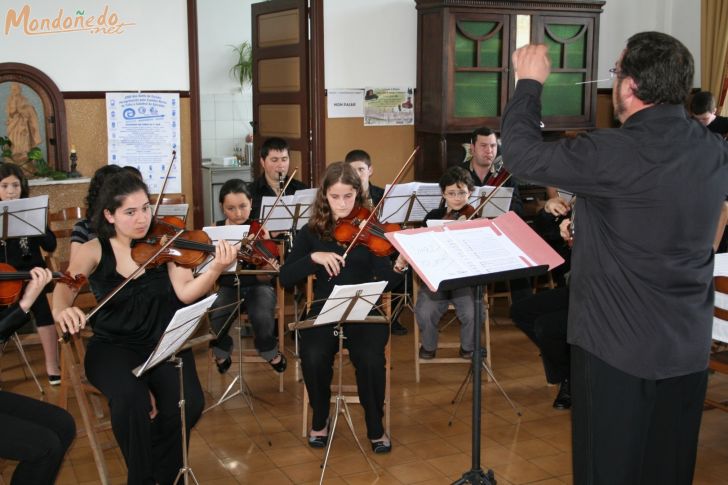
(713, 46)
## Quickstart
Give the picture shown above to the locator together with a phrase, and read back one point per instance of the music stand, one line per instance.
(179, 330)
(23, 218)
(521, 253)
(346, 304)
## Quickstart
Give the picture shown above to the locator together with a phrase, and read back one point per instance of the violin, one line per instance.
(189, 250)
(347, 231)
(464, 212)
(11, 282)
(257, 251)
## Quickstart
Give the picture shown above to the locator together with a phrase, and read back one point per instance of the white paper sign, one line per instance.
(345, 103)
(143, 130)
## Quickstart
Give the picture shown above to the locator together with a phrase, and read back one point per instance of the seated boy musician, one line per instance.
(361, 162)
(456, 185)
(275, 162)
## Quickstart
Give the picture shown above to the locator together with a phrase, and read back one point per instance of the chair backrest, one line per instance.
(61, 223)
(720, 310)
(168, 199)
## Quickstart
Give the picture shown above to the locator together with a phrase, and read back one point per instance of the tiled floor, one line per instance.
(228, 446)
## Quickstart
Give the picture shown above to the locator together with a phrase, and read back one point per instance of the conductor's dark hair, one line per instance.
(116, 188)
(358, 156)
(9, 169)
(275, 143)
(482, 131)
(94, 186)
(702, 102)
(234, 186)
(456, 175)
(661, 66)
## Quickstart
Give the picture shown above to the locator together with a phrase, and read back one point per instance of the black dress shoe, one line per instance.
(563, 398)
(397, 328)
(281, 365)
(222, 367)
(381, 446)
(427, 354)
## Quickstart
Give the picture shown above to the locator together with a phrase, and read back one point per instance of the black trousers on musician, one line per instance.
(152, 448)
(543, 318)
(366, 342)
(37, 435)
(633, 431)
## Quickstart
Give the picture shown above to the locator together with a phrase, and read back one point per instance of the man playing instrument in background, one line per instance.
(275, 162)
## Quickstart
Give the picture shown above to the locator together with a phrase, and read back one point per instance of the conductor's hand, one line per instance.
(565, 229)
(40, 277)
(225, 254)
(556, 206)
(331, 261)
(71, 319)
(532, 62)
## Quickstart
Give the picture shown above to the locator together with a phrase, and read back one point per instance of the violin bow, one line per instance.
(66, 335)
(164, 185)
(397, 178)
(487, 199)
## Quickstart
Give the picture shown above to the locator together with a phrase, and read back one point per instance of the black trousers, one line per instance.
(543, 318)
(36, 434)
(152, 449)
(366, 342)
(633, 431)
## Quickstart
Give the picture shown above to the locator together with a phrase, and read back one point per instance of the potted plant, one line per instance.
(5, 149)
(42, 169)
(242, 71)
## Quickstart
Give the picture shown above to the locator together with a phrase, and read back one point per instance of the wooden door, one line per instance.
(288, 82)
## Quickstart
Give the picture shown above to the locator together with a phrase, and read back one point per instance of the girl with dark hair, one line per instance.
(23, 254)
(145, 415)
(316, 252)
(256, 291)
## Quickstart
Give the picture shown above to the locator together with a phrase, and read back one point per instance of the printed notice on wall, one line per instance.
(144, 129)
(345, 103)
(389, 106)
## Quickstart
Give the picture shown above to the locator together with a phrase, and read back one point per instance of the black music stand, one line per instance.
(175, 339)
(344, 302)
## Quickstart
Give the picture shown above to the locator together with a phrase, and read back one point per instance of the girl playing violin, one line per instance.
(315, 252)
(145, 415)
(456, 185)
(23, 254)
(257, 291)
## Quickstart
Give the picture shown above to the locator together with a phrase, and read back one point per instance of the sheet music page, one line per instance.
(394, 207)
(721, 264)
(498, 205)
(282, 217)
(341, 296)
(428, 198)
(180, 329)
(175, 210)
(232, 234)
(26, 217)
(305, 199)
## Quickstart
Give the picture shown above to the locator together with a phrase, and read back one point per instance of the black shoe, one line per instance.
(563, 398)
(54, 380)
(427, 354)
(465, 354)
(318, 441)
(381, 446)
(281, 365)
(222, 367)
(397, 328)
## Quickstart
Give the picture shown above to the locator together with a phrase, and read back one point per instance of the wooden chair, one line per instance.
(719, 359)
(446, 345)
(95, 421)
(168, 199)
(538, 284)
(350, 390)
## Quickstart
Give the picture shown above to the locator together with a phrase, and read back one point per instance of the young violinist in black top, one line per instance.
(145, 415)
(456, 185)
(256, 290)
(23, 254)
(316, 252)
(34, 433)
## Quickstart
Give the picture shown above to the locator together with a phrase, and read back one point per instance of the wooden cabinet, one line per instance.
(464, 75)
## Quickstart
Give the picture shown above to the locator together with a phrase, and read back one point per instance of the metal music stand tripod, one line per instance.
(340, 404)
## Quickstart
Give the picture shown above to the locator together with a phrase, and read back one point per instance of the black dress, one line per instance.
(126, 330)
